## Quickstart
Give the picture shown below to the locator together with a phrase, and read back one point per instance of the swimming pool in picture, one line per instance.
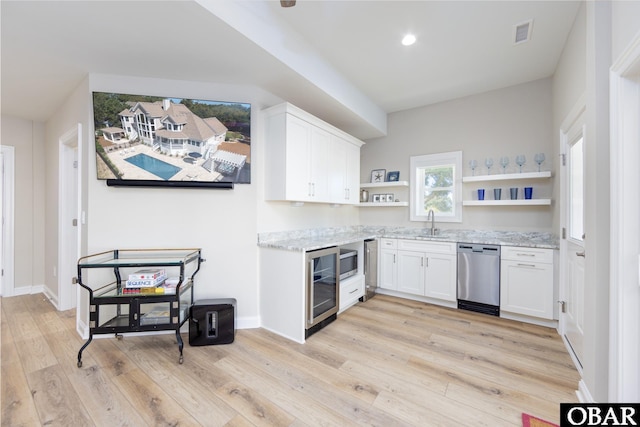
(157, 167)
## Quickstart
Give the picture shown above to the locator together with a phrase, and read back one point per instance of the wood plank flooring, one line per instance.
(385, 362)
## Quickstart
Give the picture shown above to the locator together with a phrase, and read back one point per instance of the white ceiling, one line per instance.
(340, 60)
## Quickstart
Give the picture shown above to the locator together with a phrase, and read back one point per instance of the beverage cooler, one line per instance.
(323, 284)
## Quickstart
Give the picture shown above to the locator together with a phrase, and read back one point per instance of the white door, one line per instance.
(69, 218)
(7, 156)
(572, 245)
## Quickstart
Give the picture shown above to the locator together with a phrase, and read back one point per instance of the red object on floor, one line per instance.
(531, 421)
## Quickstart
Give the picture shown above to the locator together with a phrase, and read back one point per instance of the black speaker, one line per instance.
(212, 321)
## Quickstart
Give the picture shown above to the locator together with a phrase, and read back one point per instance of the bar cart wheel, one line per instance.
(181, 360)
(119, 337)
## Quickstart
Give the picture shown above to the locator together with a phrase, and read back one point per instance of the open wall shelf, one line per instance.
(522, 202)
(507, 176)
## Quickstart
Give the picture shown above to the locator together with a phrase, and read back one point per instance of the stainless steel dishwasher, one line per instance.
(479, 278)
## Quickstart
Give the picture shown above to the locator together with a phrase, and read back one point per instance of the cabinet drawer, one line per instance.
(388, 244)
(531, 255)
(350, 290)
(423, 246)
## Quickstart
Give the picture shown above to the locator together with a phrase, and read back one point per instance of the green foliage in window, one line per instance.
(438, 189)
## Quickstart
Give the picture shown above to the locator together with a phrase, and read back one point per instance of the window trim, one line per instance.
(416, 199)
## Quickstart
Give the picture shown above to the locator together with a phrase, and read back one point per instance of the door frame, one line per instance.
(568, 124)
(69, 204)
(624, 317)
(7, 287)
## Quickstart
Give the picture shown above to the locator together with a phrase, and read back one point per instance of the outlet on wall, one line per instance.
(55, 271)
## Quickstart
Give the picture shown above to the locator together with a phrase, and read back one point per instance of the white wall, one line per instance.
(625, 17)
(505, 122)
(221, 222)
(66, 117)
(569, 84)
(27, 137)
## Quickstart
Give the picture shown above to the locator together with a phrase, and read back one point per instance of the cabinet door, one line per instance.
(298, 179)
(319, 164)
(411, 272)
(388, 269)
(440, 281)
(344, 171)
(527, 288)
(352, 174)
(337, 170)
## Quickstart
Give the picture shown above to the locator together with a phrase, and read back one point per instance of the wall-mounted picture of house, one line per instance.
(171, 139)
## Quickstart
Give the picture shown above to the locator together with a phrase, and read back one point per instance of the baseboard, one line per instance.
(583, 394)
(53, 298)
(434, 301)
(530, 319)
(247, 322)
(27, 290)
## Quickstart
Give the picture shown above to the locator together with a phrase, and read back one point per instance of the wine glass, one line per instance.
(473, 164)
(521, 160)
(488, 162)
(539, 158)
(504, 162)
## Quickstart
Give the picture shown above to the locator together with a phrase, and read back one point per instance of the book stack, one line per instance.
(149, 278)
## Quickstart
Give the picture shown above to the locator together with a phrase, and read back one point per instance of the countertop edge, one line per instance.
(311, 244)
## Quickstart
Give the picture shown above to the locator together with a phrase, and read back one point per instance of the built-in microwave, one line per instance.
(348, 263)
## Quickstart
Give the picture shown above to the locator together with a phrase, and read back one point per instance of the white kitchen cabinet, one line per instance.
(411, 272)
(351, 289)
(441, 273)
(301, 158)
(421, 268)
(526, 282)
(427, 268)
(388, 277)
(344, 171)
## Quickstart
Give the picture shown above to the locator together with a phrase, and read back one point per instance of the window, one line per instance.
(576, 190)
(436, 185)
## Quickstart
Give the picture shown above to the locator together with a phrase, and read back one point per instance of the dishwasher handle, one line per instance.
(491, 250)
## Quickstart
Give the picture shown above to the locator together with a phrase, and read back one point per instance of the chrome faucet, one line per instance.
(431, 215)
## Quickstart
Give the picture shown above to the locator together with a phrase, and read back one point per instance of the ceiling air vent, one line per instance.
(522, 32)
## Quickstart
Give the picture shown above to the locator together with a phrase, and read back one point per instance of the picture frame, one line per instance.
(389, 198)
(378, 175)
(393, 176)
(196, 143)
(376, 198)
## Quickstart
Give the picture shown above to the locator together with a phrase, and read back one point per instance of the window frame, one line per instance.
(453, 158)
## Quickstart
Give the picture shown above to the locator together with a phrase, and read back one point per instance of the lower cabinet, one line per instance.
(419, 268)
(351, 290)
(526, 282)
(388, 277)
(429, 269)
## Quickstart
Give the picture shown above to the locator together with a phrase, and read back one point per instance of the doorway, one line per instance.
(7, 159)
(572, 247)
(69, 217)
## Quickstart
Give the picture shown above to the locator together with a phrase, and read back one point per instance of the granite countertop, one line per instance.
(309, 240)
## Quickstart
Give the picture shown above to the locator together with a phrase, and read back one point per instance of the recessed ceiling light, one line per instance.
(408, 40)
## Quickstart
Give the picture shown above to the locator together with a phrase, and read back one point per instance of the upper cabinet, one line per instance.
(308, 160)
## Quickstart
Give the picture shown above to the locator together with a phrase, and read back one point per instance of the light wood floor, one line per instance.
(386, 362)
